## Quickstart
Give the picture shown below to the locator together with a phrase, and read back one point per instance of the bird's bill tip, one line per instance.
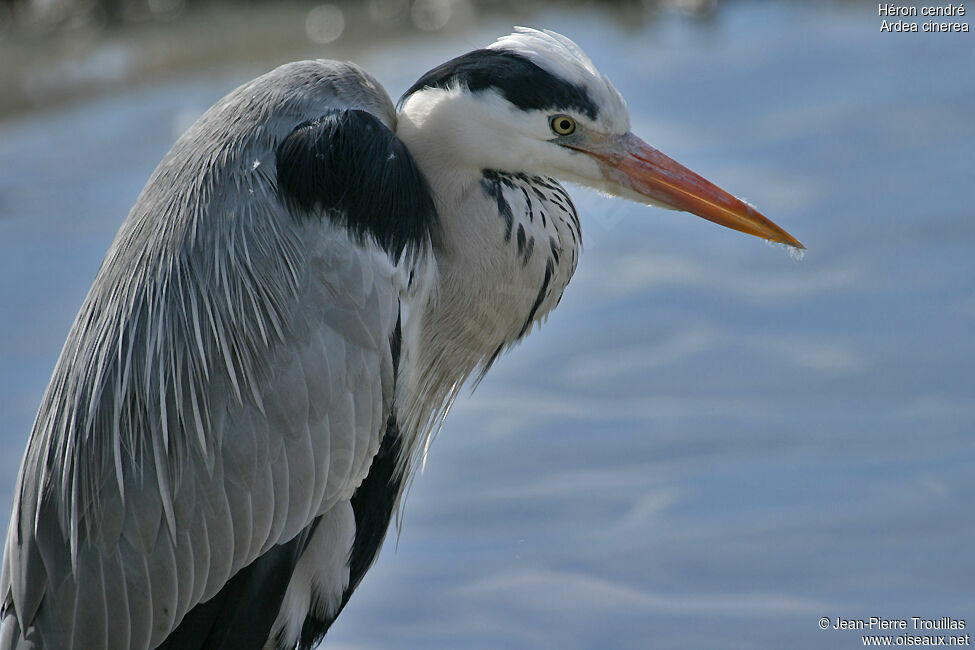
(636, 165)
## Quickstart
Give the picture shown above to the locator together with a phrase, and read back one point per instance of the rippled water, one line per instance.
(709, 444)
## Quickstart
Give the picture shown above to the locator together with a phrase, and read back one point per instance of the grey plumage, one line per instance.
(226, 381)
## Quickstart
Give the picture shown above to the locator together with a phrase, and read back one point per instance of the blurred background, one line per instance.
(710, 444)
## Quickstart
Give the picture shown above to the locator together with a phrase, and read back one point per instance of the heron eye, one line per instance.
(563, 124)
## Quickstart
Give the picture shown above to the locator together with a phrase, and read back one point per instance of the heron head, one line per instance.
(533, 102)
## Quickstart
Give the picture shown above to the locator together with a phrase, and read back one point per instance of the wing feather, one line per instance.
(138, 590)
(185, 573)
(220, 535)
(161, 565)
(91, 612)
(281, 489)
(228, 379)
(61, 634)
(241, 517)
(117, 599)
(198, 552)
(263, 501)
(143, 510)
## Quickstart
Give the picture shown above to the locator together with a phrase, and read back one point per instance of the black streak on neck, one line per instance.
(491, 184)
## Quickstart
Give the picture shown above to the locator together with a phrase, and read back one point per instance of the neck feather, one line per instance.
(507, 248)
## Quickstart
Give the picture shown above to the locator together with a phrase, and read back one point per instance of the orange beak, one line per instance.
(632, 163)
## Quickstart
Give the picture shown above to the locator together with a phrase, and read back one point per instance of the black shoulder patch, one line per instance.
(519, 80)
(348, 165)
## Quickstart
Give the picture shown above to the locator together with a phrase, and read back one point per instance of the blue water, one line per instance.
(709, 444)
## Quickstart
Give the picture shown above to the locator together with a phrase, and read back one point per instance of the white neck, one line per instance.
(490, 283)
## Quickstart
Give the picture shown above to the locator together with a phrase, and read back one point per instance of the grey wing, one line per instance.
(228, 380)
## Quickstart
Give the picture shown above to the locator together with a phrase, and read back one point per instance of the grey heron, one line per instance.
(291, 305)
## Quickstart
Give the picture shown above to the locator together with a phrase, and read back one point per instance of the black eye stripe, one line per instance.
(517, 79)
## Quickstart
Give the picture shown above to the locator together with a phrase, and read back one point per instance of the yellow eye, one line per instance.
(563, 124)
